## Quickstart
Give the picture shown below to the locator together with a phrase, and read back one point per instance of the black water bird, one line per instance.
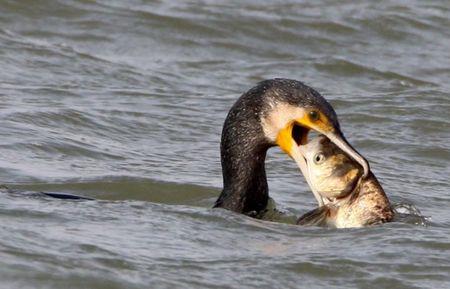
(276, 112)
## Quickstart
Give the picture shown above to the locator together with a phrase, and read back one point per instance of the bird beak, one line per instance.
(298, 155)
(339, 140)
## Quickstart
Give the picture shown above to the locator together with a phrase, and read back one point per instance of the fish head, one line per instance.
(333, 174)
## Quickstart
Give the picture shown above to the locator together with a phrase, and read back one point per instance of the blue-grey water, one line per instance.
(123, 101)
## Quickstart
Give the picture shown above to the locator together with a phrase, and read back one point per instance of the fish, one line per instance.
(350, 200)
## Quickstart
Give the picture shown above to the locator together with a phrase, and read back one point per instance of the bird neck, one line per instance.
(245, 183)
(243, 153)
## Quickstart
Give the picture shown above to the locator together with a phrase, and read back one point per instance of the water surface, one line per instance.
(124, 101)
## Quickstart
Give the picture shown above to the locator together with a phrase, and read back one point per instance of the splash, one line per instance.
(409, 214)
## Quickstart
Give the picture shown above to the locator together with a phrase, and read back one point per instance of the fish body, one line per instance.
(350, 200)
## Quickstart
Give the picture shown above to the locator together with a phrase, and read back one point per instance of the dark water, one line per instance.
(124, 101)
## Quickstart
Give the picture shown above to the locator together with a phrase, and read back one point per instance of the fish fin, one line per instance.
(316, 217)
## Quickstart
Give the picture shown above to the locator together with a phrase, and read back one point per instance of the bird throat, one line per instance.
(245, 183)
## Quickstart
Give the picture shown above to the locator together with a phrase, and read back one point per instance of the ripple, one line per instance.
(124, 101)
(349, 68)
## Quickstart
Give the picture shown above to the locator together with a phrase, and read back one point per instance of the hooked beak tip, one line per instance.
(341, 142)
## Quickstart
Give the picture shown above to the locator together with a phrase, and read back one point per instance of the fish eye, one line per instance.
(314, 115)
(319, 158)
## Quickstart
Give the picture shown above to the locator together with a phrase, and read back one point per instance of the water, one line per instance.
(124, 101)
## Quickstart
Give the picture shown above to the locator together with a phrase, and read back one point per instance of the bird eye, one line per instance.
(314, 115)
(319, 158)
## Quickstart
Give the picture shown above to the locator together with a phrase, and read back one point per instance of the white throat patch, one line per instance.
(279, 117)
